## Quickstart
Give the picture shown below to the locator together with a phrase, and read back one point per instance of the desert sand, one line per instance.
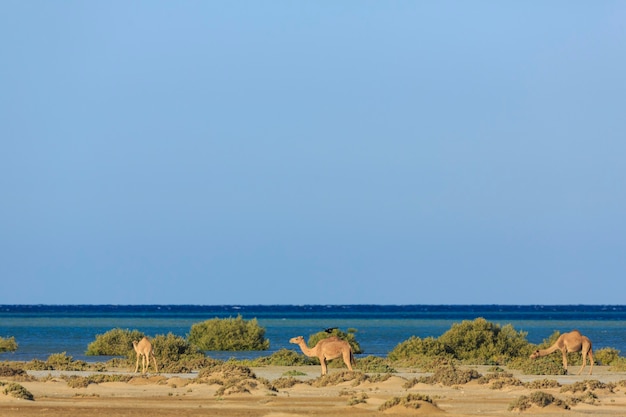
(157, 395)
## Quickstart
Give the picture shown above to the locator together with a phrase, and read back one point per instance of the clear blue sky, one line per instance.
(306, 152)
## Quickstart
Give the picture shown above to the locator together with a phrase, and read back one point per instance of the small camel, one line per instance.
(327, 349)
(570, 342)
(144, 349)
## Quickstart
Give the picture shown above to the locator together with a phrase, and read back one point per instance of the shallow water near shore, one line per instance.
(41, 330)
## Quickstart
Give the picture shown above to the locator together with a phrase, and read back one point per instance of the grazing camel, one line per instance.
(327, 349)
(570, 342)
(144, 349)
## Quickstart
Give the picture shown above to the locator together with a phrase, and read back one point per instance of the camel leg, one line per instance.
(584, 354)
(323, 362)
(145, 363)
(137, 364)
(564, 351)
(346, 360)
(156, 368)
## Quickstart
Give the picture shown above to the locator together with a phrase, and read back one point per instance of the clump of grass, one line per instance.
(75, 381)
(294, 372)
(8, 371)
(285, 382)
(542, 384)
(18, 391)
(588, 385)
(500, 380)
(231, 377)
(336, 378)
(450, 375)
(413, 401)
(360, 398)
(538, 398)
(586, 398)
(59, 362)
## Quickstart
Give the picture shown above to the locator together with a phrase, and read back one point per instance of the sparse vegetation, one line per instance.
(231, 334)
(542, 384)
(451, 375)
(538, 398)
(16, 390)
(8, 344)
(413, 401)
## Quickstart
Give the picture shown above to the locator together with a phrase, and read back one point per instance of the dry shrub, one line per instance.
(542, 384)
(450, 375)
(538, 398)
(337, 378)
(285, 382)
(413, 401)
(588, 385)
(17, 391)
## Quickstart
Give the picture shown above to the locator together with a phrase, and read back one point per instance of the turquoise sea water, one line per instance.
(41, 330)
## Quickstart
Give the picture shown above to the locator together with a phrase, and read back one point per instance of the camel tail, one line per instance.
(352, 359)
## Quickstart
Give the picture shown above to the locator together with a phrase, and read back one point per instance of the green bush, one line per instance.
(115, 342)
(8, 345)
(540, 366)
(375, 364)
(231, 334)
(483, 342)
(606, 356)
(618, 365)
(174, 354)
(414, 347)
(470, 342)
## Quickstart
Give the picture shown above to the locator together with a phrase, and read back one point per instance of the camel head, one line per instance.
(296, 340)
(535, 355)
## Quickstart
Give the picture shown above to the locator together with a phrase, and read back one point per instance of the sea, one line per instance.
(42, 330)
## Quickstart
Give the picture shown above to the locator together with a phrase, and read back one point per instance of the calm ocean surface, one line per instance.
(41, 330)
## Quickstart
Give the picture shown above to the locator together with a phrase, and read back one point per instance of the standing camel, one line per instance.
(570, 342)
(327, 349)
(144, 349)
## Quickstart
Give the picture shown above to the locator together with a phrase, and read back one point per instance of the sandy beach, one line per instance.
(274, 392)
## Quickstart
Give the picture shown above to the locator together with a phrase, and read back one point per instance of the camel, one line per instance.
(327, 349)
(144, 349)
(570, 342)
